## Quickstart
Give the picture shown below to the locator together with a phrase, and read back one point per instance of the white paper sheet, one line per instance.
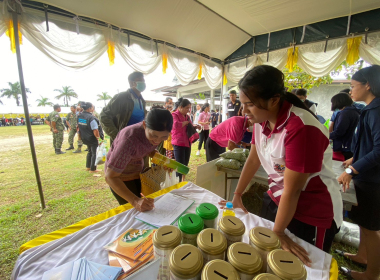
(89, 241)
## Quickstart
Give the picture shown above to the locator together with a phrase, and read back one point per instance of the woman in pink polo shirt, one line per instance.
(204, 121)
(226, 135)
(293, 148)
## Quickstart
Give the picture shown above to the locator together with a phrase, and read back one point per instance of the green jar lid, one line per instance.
(207, 211)
(190, 223)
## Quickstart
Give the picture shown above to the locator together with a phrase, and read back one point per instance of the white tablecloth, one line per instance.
(89, 241)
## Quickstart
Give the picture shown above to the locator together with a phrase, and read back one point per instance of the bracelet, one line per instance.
(238, 193)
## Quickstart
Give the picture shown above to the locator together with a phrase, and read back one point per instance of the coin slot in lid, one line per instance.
(212, 237)
(232, 222)
(244, 253)
(286, 261)
(264, 234)
(220, 274)
(188, 254)
(206, 207)
(166, 233)
(191, 220)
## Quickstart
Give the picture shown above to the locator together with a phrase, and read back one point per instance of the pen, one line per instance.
(143, 196)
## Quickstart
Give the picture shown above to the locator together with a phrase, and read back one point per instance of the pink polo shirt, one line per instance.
(232, 129)
(204, 117)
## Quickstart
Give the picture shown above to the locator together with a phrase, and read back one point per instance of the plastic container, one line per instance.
(185, 262)
(219, 270)
(190, 225)
(263, 240)
(228, 210)
(165, 240)
(244, 258)
(209, 213)
(213, 245)
(170, 163)
(285, 265)
(232, 228)
(266, 276)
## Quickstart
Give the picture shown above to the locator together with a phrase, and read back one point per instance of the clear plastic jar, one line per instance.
(232, 228)
(266, 276)
(190, 225)
(186, 263)
(209, 213)
(218, 269)
(165, 239)
(213, 245)
(263, 240)
(285, 265)
(244, 258)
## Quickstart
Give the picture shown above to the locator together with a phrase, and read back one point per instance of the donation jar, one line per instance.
(209, 213)
(266, 276)
(165, 239)
(219, 270)
(190, 225)
(232, 228)
(185, 262)
(263, 240)
(213, 244)
(245, 259)
(286, 265)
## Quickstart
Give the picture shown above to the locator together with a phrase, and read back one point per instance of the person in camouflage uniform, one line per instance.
(57, 127)
(71, 121)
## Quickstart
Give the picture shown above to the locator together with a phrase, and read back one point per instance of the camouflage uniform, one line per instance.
(57, 137)
(72, 119)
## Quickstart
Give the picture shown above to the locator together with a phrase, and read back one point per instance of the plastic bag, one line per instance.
(101, 154)
(240, 150)
(170, 180)
(228, 163)
(348, 234)
(238, 155)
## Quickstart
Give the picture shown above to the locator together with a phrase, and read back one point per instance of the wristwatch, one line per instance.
(349, 171)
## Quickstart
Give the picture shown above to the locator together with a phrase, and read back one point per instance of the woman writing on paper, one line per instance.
(125, 159)
(293, 148)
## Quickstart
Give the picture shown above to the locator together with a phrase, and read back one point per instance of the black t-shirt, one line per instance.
(233, 109)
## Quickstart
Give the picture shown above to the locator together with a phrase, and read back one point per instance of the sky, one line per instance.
(42, 76)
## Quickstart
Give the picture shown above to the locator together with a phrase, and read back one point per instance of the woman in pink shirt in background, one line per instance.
(228, 135)
(204, 121)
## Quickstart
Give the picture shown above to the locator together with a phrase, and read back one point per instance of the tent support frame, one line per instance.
(26, 110)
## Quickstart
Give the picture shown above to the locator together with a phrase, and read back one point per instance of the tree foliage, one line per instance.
(348, 70)
(66, 93)
(14, 91)
(43, 101)
(104, 96)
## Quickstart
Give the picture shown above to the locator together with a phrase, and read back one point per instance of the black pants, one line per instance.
(203, 136)
(134, 186)
(319, 237)
(91, 157)
(213, 150)
(182, 155)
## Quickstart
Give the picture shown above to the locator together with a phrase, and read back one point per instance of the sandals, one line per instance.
(341, 253)
(346, 272)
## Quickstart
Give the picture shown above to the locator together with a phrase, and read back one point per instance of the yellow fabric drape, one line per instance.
(353, 50)
(200, 72)
(224, 79)
(164, 63)
(89, 221)
(11, 34)
(111, 52)
(292, 58)
(334, 270)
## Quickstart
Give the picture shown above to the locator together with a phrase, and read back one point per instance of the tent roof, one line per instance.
(213, 27)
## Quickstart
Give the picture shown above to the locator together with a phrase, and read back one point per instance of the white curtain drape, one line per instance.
(3, 25)
(236, 70)
(371, 52)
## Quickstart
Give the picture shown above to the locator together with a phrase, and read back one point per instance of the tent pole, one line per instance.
(221, 92)
(26, 110)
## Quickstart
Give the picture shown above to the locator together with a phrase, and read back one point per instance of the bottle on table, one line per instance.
(170, 163)
(228, 210)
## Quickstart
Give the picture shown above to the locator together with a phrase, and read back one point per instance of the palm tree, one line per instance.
(14, 91)
(44, 101)
(66, 93)
(104, 96)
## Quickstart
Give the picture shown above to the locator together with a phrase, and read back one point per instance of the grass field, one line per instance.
(71, 193)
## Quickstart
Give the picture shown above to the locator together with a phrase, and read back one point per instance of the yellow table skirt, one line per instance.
(98, 218)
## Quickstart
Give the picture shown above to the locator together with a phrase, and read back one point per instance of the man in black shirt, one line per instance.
(233, 106)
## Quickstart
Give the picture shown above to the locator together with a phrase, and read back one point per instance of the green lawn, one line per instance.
(71, 193)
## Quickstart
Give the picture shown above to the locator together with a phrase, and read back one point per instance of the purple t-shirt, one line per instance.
(127, 152)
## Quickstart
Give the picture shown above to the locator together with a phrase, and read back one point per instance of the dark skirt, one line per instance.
(367, 213)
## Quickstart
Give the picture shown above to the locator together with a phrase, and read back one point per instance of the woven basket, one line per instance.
(151, 178)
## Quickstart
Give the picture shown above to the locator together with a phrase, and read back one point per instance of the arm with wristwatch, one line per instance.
(346, 177)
